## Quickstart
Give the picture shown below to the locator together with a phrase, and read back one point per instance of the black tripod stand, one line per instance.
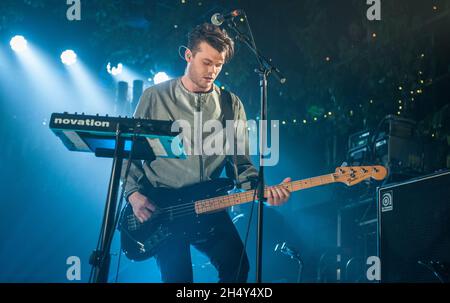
(100, 258)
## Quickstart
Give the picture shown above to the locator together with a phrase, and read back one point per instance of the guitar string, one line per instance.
(235, 197)
(227, 198)
(189, 208)
(174, 214)
(160, 217)
(230, 199)
(246, 195)
(205, 200)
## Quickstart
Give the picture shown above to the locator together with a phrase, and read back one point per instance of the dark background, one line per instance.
(335, 60)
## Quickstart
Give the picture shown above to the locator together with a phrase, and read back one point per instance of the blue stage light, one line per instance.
(18, 43)
(114, 70)
(160, 77)
(68, 57)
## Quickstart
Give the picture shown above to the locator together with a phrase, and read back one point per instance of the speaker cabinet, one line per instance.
(414, 229)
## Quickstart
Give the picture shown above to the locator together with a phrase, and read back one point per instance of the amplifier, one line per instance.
(396, 145)
(414, 229)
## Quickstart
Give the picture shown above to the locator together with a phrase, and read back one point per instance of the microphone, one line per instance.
(217, 19)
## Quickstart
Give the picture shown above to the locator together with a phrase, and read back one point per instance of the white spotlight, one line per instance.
(115, 70)
(160, 77)
(68, 57)
(18, 43)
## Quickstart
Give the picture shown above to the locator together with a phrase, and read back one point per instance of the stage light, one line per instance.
(18, 43)
(160, 77)
(68, 57)
(115, 70)
(304, 121)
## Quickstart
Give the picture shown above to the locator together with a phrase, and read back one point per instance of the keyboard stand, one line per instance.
(144, 139)
(101, 258)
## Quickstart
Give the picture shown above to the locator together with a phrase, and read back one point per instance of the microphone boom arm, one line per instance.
(264, 63)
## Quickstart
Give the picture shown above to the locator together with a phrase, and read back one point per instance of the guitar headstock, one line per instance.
(351, 175)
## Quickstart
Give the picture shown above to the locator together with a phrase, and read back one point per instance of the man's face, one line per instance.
(204, 67)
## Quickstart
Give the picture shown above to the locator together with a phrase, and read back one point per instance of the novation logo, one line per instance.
(82, 122)
(387, 201)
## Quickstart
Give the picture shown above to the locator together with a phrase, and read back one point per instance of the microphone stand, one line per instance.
(264, 70)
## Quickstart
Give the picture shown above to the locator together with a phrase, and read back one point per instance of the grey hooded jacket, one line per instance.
(170, 100)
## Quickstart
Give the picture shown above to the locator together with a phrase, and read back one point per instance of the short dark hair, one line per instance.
(213, 35)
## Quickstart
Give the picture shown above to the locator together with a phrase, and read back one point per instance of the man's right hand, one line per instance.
(142, 207)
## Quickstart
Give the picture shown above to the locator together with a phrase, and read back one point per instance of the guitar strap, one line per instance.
(228, 114)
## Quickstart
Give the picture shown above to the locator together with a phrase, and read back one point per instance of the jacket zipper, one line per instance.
(200, 134)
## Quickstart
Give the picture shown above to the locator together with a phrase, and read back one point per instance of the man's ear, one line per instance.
(188, 55)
